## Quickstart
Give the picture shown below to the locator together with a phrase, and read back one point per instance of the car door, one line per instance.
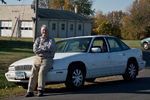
(117, 56)
(99, 62)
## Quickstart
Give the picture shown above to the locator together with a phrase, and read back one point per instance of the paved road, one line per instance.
(115, 89)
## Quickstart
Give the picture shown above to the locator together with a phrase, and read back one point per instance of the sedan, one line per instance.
(145, 43)
(84, 58)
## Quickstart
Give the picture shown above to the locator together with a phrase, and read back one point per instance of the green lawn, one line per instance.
(14, 49)
(133, 43)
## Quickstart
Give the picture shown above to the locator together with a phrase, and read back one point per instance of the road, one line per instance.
(114, 89)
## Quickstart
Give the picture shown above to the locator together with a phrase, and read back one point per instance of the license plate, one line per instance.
(20, 75)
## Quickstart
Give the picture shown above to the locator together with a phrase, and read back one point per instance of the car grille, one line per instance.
(23, 67)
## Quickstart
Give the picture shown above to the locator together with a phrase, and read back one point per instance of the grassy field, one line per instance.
(133, 43)
(14, 49)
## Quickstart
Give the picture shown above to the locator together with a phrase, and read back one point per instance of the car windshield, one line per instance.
(73, 45)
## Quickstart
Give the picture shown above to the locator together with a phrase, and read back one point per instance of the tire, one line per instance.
(90, 80)
(145, 46)
(131, 71)
(75, 78)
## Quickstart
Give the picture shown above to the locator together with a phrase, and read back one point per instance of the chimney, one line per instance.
(76, 9)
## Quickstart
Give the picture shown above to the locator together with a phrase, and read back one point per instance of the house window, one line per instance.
(79, 27)
(8, 28)
(26, 25)
(26, 28)
(7, 25)
(71, 27)
(53, 26)
(62, 26)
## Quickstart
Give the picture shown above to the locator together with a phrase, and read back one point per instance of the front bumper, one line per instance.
(52, 76)
(141, 64)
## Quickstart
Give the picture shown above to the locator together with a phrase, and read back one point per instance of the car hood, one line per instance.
(24, 61)
(146, 39)
(29, 60)
(63, 55)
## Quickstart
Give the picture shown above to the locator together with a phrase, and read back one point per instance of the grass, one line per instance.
(10, 51)
(133, 43)
(13, 49)
(12, 92)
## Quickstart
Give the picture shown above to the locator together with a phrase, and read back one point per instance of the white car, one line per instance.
(84, 58)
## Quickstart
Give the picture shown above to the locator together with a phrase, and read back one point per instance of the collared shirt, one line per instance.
(44, 47)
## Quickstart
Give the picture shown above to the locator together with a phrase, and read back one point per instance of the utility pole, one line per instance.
(36, 19)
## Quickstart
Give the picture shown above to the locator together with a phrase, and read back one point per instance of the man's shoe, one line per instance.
(40, 93)
(29, 94)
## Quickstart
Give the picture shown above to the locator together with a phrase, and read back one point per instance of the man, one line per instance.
(44, 48)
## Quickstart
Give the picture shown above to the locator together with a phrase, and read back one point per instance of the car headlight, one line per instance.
(11, 68)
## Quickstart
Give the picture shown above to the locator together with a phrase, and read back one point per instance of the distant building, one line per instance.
(17, 21)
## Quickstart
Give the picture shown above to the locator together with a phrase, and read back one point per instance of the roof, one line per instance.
(60, 14)
(93, 36)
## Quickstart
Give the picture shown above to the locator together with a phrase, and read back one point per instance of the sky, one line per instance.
(111, 5)
(99, 5)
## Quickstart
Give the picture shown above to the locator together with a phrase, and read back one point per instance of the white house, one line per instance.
(17, 21)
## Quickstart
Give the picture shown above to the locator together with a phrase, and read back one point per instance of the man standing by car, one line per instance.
(44, 47)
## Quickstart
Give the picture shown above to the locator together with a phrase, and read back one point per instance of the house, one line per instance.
(18, 21)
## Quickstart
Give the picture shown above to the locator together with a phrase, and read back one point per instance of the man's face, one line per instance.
(44, 32)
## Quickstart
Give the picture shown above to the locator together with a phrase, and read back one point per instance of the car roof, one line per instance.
(93, 36)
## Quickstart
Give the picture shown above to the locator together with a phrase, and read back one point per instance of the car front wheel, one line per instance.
(131, 71)
(75, 77)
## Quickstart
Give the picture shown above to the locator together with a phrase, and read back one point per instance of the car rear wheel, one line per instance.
(75, 77)
(131, 71)
(145, 46)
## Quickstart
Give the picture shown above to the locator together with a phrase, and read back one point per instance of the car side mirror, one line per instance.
(96, 50)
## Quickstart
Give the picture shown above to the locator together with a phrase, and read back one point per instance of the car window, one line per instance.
(78, 45)
(123, 45)
(60, 46)
(100, 42)
(114, 45)
(73, 45)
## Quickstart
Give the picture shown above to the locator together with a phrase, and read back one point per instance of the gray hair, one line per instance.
(44, 26)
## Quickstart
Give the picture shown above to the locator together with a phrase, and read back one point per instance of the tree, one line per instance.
(109, 24)
(3, 1)
(69, 5)
(105, 28)
(98, 19)
(56, 4)
(42, 3)
(84, 7)
(136, 23)
(115, 18)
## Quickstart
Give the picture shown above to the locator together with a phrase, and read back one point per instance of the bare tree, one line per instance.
(3, 1)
